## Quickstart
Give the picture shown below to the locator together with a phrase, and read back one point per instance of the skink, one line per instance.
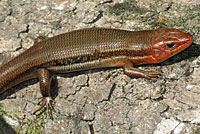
(89, 49)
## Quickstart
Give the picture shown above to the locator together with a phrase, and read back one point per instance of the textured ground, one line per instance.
(104, 101)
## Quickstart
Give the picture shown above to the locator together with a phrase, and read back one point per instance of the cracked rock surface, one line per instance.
(104, 101)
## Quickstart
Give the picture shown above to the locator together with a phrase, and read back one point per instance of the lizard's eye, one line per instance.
(171, 46)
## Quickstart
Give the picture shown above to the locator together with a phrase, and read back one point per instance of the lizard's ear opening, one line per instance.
(168, 42)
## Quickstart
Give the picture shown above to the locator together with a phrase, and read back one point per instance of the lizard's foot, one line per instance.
(46, 102)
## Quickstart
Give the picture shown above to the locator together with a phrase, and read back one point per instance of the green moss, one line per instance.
(27, 126)
(128, 10)
(35, 126)
(196, 131)
(1, 109)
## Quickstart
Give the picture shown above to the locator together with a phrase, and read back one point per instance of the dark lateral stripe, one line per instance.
(97, 55)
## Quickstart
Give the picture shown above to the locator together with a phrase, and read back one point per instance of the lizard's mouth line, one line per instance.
(161, 54)
(182, 47)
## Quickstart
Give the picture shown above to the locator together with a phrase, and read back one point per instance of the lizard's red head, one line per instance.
(168, 42)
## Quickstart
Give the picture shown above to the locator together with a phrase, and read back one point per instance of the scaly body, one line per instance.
(89, 49)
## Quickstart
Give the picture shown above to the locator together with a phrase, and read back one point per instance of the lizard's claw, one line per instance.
(46, 102)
